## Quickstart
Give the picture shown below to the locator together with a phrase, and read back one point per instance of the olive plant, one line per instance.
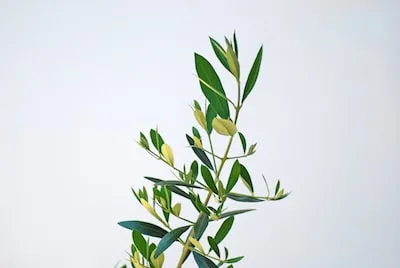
(219, 116)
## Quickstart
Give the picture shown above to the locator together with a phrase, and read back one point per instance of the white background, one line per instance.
(80, 79)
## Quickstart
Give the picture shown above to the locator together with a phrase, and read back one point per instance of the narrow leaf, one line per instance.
(203, 262)
(252, 78)
(179, 183)
(206, 174)
(206, 72)
(200, 153)
(210, 115)
(196, 133)
(168, 239)
(171, 188)
(194, 167)
(244, 174)
(235, 44)
(156, 139)
(220, 53)
(277, 187)
(200, 226)
(233, 260)
(144, 228)
(224, 230)
(234, 212)
(234, 176)
(213, 246)
(140, 242)
(243, 140)
(244, 198)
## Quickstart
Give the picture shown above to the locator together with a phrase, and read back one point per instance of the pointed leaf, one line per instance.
(233, 260)
(140, 242)
(144, 228)
(194, 168)
(234, 176)
(252, 78)
(210, 115)
(206, 174)
(203, 262)
(211, 82)
(200, 226)
(234, 212)
(220, 53)
(200, 153)
(156, 139)
(168, 239)
(235, 44)
(224, 230)
(277, 187)
(196, 133)
(244, 198)
(244, 174)
(213, 246)
(179, 183)
(243, 140)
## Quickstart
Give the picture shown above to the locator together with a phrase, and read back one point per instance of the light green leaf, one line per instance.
(168, 239)
(253, 75)
(211, 82)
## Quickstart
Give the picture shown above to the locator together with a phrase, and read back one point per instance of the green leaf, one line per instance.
(244, 174)
(226, 252)
(143, 141)
(206, 174)
(144, 228)
(233, 260)
(244, 198)
(277, 187)
(200, 153)
(234, 212)
(210, 115)
(235, 44)
(179, 183)
(196, 105)
(140, 242)
(210, 82)
(252, 78)
(232, 59)
(243, 140)
(252, 149)
(171, 188)
(224, 230)
(168, 239)
(194, 167)
(156, 139)
(196, 133)
(234, 176)
(203, 262)
(200, 226)
(280, 197)
(220, 53)
(213, 246)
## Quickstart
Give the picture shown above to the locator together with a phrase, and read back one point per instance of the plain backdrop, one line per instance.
(80, 79)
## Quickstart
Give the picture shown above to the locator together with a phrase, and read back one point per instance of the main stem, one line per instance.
(223, 160)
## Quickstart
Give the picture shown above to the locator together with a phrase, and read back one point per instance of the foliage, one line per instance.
(204, 175)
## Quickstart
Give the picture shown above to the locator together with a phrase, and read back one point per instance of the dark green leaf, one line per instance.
(156, 139)
(234, 212)
(235, 44)
(234, 176)
(206, 174)
(220, 53)
(224, 230)
(200, 153)
(196, 133)
(203, 262)
(210, 115)
(171, 188)
(200, 226)
(233, 260)
(213, 246)
(243, 140)
(244, 174)
(244, 198)
(194, 167)
(168, 239)
(277, 187)
(252, 78)
(207, 74)
(197, 105)
(140, 242)
(144, 228)
(226, 252)
(178, 183)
